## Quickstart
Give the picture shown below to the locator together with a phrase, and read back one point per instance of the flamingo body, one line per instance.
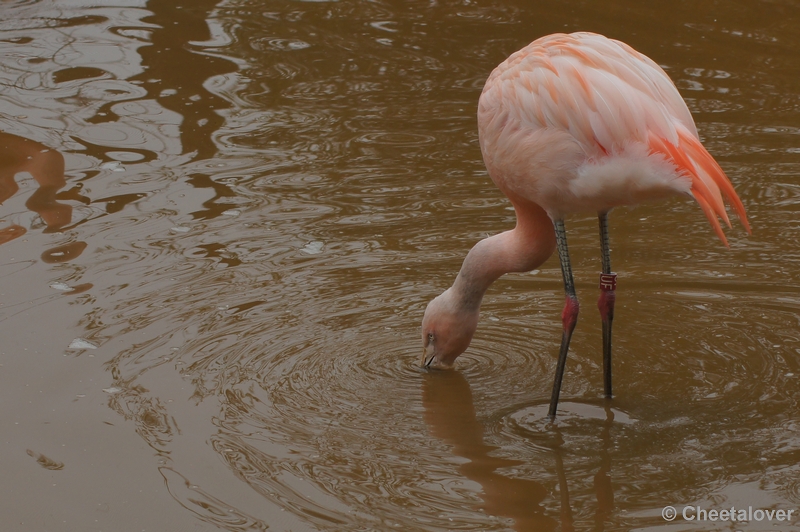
(581, 122)
(574, 123)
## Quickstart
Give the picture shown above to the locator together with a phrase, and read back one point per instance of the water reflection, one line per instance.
(179, 66)
(46, 165)
(139, 89)
(602, 480)
(450, 416)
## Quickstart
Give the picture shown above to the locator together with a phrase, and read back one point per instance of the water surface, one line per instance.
(221, 223)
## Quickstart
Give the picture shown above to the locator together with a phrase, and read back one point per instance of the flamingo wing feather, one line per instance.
(607, 96)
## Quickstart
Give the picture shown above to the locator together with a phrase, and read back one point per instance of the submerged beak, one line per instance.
(427, 356)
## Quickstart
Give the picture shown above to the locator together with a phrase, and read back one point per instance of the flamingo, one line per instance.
(573, 123)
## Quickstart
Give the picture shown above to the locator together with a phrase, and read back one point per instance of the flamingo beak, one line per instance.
(427, 355)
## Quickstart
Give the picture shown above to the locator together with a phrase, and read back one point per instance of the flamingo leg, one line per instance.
(569, 316)
(608, 285)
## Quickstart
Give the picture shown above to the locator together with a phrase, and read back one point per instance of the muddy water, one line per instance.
(220, 225)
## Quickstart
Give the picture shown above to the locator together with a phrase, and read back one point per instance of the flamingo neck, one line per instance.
(521, 249)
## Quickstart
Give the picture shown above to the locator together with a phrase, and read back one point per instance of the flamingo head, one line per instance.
(447, 330)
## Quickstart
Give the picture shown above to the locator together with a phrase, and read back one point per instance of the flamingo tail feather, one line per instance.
(709, 182)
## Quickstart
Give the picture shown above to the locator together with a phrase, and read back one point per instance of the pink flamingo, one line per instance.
(573, 123)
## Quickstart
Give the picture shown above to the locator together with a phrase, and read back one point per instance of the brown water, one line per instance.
(220, 225)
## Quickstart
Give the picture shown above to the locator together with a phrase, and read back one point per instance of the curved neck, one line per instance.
(521, 249)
